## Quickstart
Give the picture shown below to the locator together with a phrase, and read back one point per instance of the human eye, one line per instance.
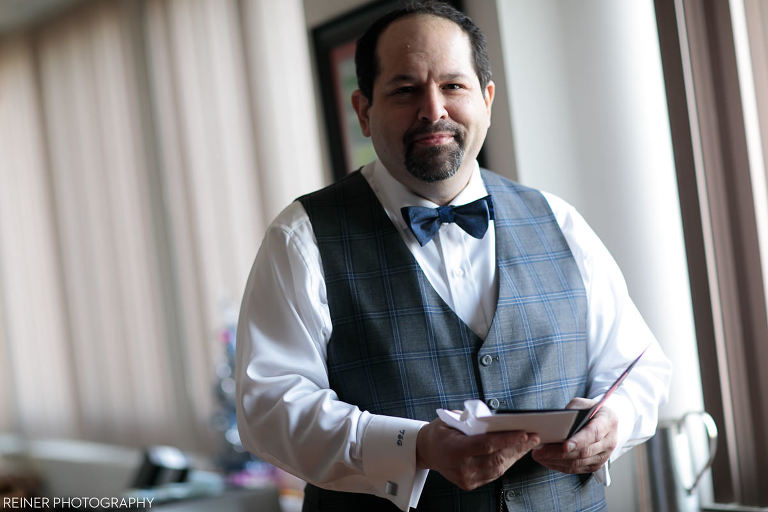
(405, 89)
(453, 87)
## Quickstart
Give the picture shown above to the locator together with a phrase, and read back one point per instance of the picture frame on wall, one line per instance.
(334, 44)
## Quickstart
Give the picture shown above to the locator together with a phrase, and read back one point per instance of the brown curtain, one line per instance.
(135, 186)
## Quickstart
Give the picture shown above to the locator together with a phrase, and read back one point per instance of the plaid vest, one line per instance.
(398, 349)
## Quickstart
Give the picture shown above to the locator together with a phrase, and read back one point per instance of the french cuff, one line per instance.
(389, 460)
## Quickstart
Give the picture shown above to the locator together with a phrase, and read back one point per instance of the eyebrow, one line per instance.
(455, 76)
(400, 78)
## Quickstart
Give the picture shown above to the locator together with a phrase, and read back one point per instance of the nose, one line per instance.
(432, 106)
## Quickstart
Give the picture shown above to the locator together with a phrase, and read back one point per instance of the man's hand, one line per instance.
(470, 461)
(588, 449)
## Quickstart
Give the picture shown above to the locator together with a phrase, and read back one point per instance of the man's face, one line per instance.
(429, 115)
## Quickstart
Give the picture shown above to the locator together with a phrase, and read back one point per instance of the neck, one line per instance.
(439, 192)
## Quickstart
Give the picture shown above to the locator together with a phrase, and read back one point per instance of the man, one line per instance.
(363, 315)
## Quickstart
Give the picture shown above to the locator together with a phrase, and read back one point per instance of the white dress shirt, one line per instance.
(288, 415)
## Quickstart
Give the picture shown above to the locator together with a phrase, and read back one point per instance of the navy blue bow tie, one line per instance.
(471, 217)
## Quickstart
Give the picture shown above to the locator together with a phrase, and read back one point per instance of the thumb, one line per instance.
(581, 403)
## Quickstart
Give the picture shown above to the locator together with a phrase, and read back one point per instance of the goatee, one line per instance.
(434, 163)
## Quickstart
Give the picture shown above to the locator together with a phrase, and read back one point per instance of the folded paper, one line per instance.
(552, 426)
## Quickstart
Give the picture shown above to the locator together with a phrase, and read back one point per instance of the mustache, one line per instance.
(440, 126)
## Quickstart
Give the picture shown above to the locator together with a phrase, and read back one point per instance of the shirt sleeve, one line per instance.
(286, 412)
(617, 334)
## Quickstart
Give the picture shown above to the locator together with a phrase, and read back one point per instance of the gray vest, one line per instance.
(398, 349)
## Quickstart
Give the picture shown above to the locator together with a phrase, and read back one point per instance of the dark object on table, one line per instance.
(161, 465)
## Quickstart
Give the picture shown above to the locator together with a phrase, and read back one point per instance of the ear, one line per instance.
(490, 90)
(361, 105)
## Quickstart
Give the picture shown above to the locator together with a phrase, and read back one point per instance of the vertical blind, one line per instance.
(144, 147)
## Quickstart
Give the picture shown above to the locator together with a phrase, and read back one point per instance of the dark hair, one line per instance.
(367, 62)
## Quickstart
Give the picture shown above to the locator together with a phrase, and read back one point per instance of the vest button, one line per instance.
(493, 403)
(486, 360)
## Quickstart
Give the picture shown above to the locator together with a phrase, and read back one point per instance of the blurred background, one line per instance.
(145, 145)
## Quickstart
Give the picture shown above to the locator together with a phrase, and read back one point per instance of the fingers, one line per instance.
(585, 460)
(602, 426)
(586, 451)
(480, 469)
(494, 442)
(470, 461)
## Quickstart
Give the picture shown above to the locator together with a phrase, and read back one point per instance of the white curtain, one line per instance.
(144, 147)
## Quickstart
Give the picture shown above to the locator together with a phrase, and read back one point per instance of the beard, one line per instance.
(434, 163)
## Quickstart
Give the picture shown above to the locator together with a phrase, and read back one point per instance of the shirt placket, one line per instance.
(458, 271)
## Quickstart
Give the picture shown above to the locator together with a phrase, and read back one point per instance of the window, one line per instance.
(716, 158)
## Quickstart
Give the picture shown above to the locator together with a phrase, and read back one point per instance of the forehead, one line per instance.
(423, 41)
